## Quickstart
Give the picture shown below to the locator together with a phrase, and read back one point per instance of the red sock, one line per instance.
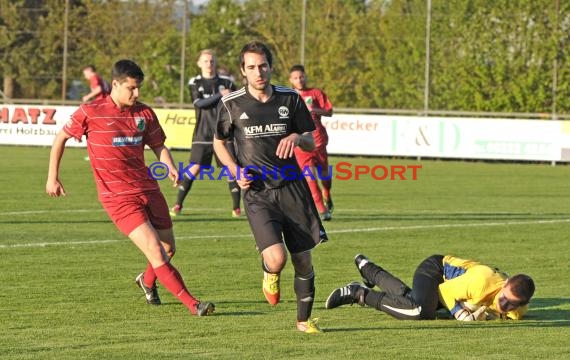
(170, 278)
(317, 196)
(327, 184)
(149, 276)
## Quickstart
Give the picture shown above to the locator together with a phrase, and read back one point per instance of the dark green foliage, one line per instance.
(485, 55)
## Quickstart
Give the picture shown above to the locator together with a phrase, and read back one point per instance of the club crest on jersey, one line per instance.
(139, 122)
(283, 112)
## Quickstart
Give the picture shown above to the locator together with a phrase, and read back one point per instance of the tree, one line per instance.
(485, 55)
(145, 32)
(221, 25)
(493, 56)
(18, 39)
(397, 55)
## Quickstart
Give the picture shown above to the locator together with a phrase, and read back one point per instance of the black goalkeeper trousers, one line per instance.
(397, 299)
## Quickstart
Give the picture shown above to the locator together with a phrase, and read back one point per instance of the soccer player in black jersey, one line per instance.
(206, 89)
(266, 123)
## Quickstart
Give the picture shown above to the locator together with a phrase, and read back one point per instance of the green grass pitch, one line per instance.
(67, 289)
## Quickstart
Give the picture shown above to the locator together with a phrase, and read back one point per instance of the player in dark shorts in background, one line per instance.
(118, 128)
(267, 122)
(206, 89)
(319, 105)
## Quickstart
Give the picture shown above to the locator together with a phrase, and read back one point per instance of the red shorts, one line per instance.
(129, 212)
(317, 157)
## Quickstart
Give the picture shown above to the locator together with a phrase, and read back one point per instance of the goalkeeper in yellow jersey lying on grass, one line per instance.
(469, 290)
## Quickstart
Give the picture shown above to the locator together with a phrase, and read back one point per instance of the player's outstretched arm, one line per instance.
(227, 159)
(321, 112)
(208, 103)
(306, 141)
(163, 155)
(94, 92)
(54, 187)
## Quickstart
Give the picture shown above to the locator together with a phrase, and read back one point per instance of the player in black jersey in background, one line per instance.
(206, 89)
(266, 123)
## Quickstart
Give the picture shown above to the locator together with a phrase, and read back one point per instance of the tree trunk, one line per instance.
(8, 87)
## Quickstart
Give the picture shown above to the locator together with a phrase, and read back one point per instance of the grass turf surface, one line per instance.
(67, 273)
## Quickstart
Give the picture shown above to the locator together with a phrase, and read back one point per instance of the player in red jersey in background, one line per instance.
(117, 128)
(98, 86)
(319, 105)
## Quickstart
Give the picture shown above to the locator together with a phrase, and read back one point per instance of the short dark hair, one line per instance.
(522, 287)
(256, 47)
(90, 67)
(127, 68)
(297, 67)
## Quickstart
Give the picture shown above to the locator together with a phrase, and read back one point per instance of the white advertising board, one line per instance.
(38, 125)
(350, 134)
(33, 125)
(469, 138)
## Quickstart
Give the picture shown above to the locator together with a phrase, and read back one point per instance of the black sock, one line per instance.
(304, 286)
(236, 193)
(183, 190)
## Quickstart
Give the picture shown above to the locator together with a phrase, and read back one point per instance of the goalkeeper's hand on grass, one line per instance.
(465, 315)
(481, 314)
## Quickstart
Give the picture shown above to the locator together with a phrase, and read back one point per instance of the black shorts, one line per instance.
(425, 288)
(286, 214)
(201, 153)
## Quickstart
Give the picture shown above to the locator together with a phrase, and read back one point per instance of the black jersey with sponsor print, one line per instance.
(258, 127)
(205, 98)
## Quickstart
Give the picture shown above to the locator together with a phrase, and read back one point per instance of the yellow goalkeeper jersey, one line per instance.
(474, 283)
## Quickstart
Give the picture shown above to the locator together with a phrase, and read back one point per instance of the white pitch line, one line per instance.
(32, 212)
(443, 226)
(58, 243)
(356, 230)
(95, 242)
(192, 211)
